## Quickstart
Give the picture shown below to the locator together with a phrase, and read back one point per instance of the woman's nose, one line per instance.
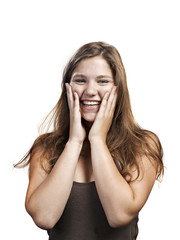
(91, 89)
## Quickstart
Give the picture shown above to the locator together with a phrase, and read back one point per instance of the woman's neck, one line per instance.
(86, 151)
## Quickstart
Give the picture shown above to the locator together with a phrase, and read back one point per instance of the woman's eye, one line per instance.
(80, 80)
(103, 81)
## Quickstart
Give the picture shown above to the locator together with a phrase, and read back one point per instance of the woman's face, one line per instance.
(91, 79)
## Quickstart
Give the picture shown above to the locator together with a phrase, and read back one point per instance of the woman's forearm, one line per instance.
(47, 202)
(115, 193)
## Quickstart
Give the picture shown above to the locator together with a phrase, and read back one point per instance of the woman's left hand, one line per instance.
(104, 117)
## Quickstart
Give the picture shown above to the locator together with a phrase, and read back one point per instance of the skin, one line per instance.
(47, 195)
(92, 80)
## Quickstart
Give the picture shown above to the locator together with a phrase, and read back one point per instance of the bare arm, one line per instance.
(121, 200)
(47, 194)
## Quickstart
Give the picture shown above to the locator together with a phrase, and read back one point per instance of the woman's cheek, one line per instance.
(72, 85)
(74, 88)
(104, 92)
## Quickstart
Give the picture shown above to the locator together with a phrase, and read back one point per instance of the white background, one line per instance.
(37, 39)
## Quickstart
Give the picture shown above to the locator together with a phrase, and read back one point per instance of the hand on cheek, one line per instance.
(77, 131)
(104, 117)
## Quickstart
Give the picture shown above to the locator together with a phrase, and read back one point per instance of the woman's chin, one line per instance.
(89, 118)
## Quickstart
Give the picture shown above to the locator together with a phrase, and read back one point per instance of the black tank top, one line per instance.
(84, 218)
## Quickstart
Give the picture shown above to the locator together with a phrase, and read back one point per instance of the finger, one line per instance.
(111, 100)
(103, 104)
(77, 112)
(113, 106)
(106, 96)
(76, 100)
(69, 96)
(114, 99)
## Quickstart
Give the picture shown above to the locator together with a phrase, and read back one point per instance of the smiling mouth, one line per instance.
(91, 103)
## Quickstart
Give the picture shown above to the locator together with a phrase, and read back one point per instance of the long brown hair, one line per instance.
(126, 140)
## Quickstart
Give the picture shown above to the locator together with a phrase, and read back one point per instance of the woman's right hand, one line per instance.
(77, 131)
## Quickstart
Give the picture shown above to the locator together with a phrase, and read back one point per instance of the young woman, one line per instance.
(91, 175)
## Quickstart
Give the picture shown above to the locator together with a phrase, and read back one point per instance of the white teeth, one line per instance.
(90, 103)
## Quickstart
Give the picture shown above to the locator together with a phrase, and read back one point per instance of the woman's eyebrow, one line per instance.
(104, 76)
(78, 75)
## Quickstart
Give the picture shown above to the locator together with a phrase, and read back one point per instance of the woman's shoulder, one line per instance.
(153, 151)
